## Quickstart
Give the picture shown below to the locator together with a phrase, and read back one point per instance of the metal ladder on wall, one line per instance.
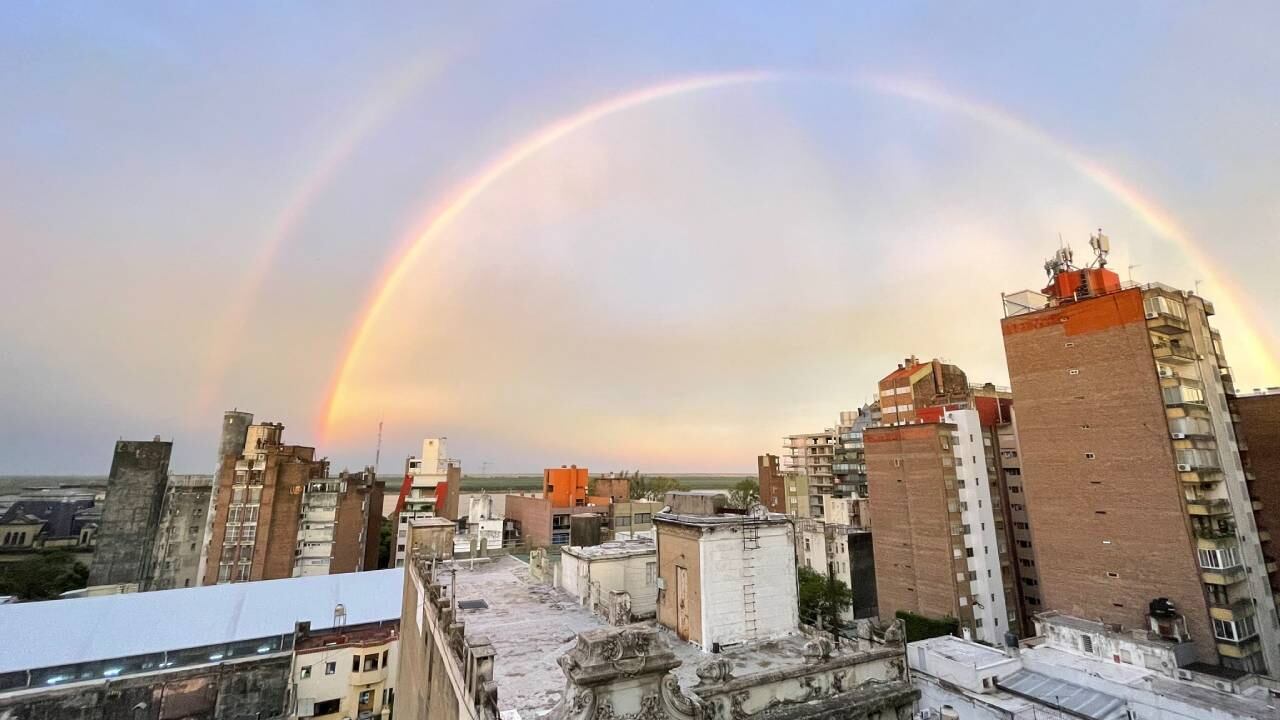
(750, 543)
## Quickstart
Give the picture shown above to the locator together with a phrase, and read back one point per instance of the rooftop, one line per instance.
(721, 519)
(1077, 700)
(531, 625)
(117, 626)
(614, 549)
(962, 651)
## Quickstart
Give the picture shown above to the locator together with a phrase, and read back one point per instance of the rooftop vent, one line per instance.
(473, 605)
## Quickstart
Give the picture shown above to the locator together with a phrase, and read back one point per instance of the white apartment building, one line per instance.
(975, 484)
(424, 473)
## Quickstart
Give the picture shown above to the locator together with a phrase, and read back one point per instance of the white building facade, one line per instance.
(983, 544)
(599, 577)
(426, 472)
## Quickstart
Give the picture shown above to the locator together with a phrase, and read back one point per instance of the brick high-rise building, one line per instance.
(917, 385)
(1259, 435)
(1140, 511)
(937, 503)
(135, 494)
(279, 515)
(773, 492)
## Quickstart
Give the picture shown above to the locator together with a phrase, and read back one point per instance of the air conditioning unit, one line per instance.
(1178, 436)
(1183, 467)
(1152, 316)
(1184, 674)
(1166, 372)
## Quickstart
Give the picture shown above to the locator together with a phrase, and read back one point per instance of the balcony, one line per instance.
(1236, 610)
(1199, 475)
(1173, 353)
(1212, 539)
(1264, 536)
(1238, 648)
(1208, 507)
(1224, 577)
(1167, 323)
(1257, 505)
(1270, 564)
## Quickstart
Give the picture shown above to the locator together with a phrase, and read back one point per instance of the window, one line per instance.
(371, 662)
(305, 672)
(1090, 456)
(650, 573)
(1235, 630)
(366, 697)
(384, 657)
(355, 663)
(327, 707)
(642, 518)
(1220, 559)
(1086, 644)
(330, 668)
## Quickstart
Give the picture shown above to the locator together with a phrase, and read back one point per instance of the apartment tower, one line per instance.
(259, 507)
(773, 492)
(431, 483)
(937, 500)
(1141, 512)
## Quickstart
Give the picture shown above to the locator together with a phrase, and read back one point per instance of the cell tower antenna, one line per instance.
(1131, 267)
(377, 454)
(1101, 245)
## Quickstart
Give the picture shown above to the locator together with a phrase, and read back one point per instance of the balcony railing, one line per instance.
(1206, 506)
(1173, 353)
(1227, 576)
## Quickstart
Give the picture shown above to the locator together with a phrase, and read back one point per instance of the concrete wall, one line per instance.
(678, 548)
(748, 593)
(591, 581)
(131, 512)
(180, 540)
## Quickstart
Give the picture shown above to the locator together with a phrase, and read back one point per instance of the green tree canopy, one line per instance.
(822, 599)
(744, 494)
(44, 576)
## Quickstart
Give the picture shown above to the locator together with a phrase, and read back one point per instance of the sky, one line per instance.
(653, 236)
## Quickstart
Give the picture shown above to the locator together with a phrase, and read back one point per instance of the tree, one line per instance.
(744, 494)
(653, 489)
(44, 576)
(822, 599)
(386, 538)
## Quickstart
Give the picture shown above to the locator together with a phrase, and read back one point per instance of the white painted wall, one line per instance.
(988, 585)
(593, 579)
(725, 574)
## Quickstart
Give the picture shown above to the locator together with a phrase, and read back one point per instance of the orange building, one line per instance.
(565, 486)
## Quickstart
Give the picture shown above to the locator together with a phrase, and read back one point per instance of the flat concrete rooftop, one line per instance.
(531, 625)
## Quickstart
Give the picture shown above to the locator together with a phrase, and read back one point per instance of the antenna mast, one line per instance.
(377, 454)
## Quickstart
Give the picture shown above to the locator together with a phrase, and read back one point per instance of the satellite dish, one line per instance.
(758, 512)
